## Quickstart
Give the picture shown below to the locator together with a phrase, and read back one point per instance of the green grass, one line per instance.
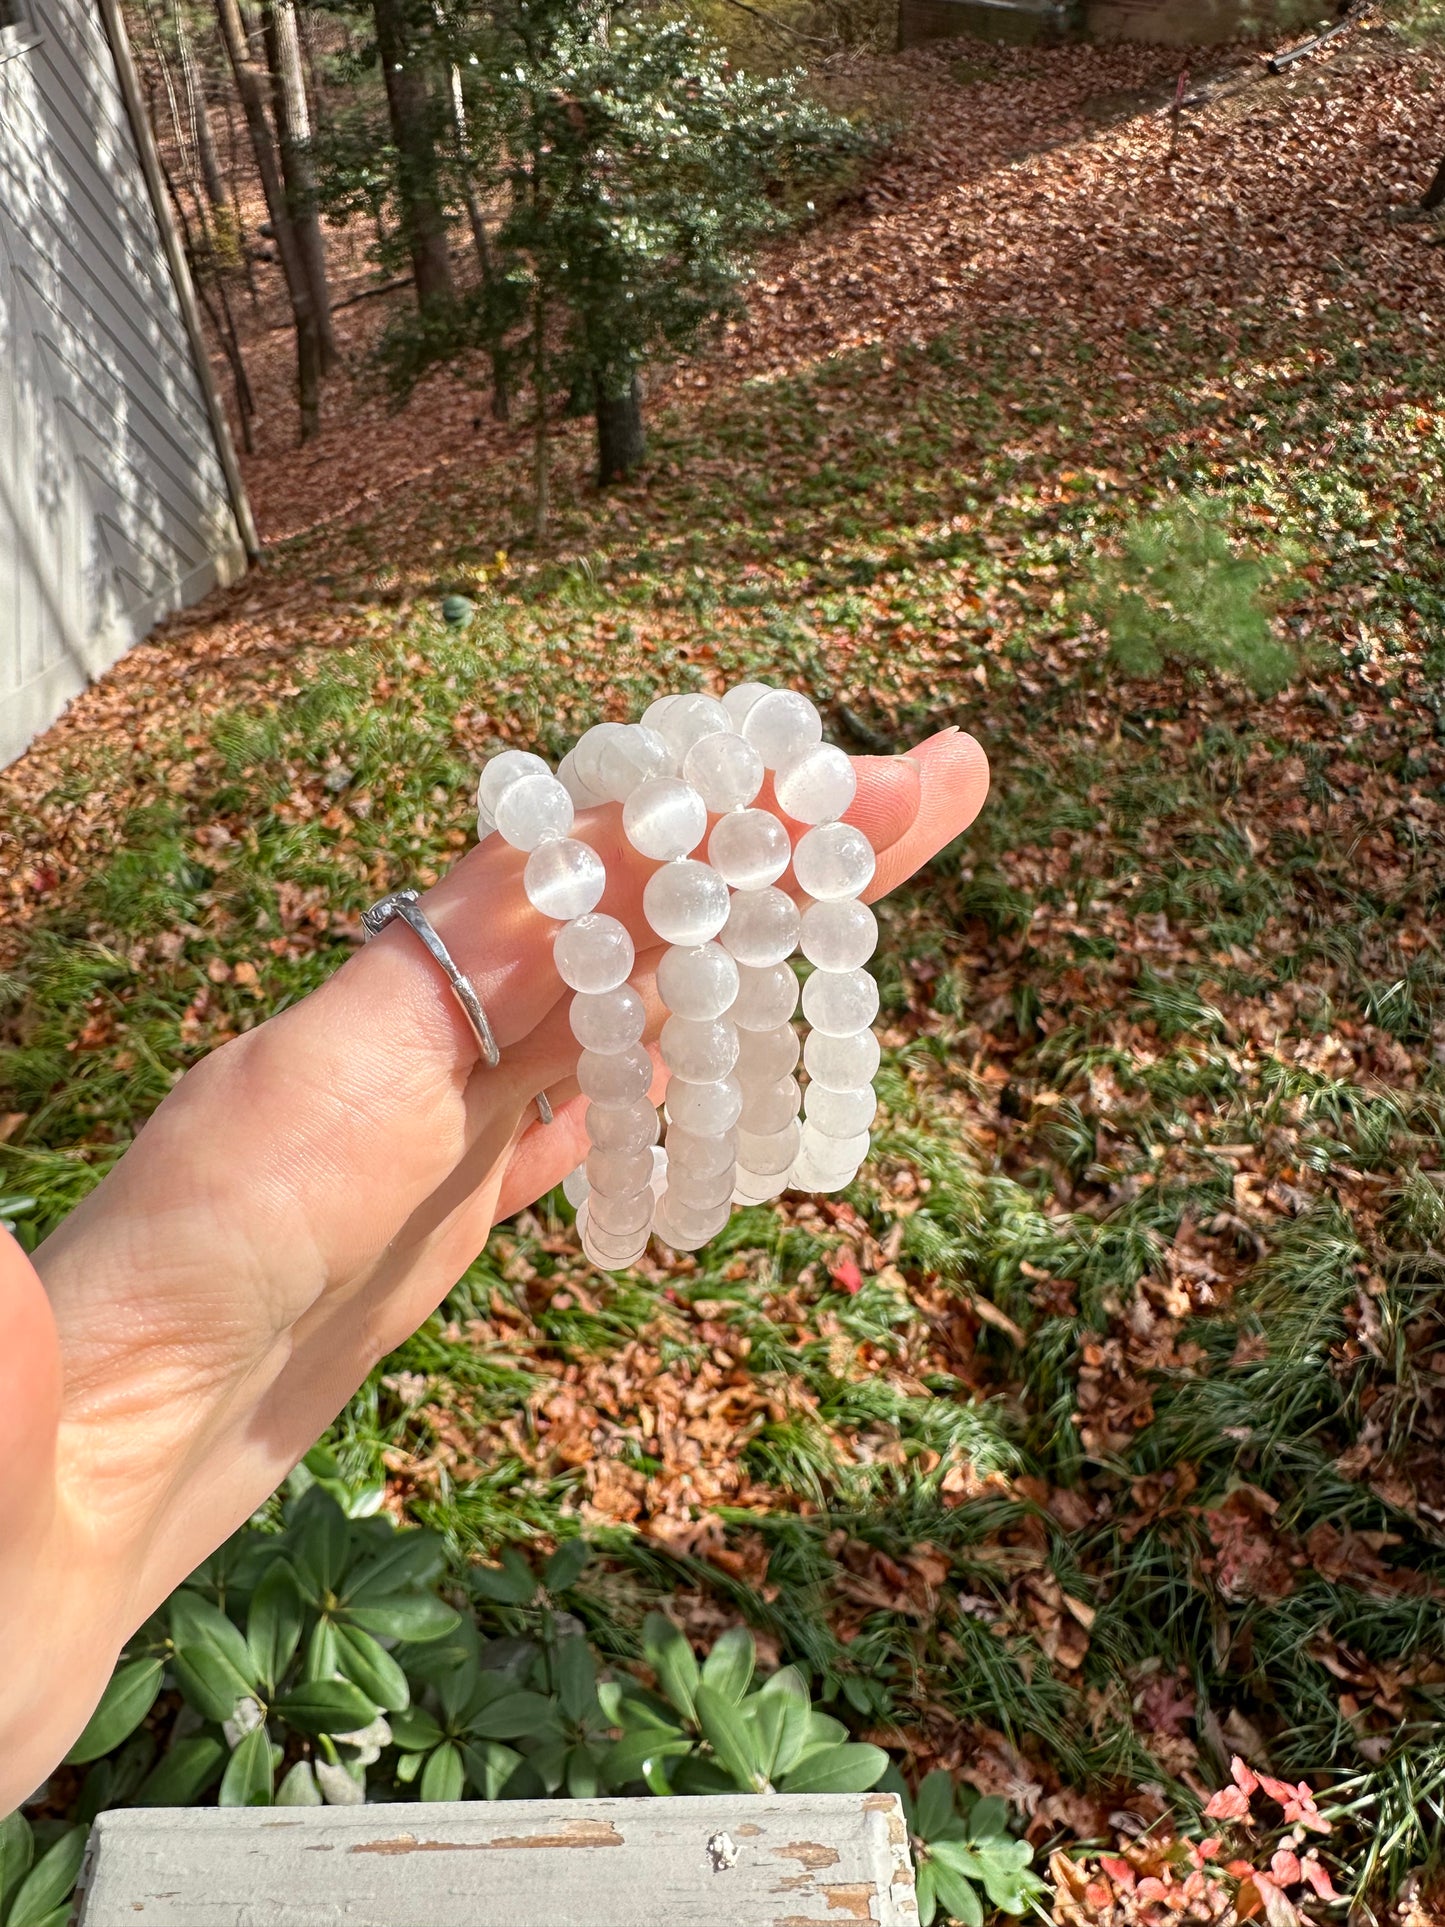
(1190, 921)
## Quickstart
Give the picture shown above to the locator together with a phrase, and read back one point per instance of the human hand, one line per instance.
(297, 1206)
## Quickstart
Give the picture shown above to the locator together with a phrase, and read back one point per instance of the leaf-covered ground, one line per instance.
(1096, 1435)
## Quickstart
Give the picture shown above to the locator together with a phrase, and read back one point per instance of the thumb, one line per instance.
(30, 1388)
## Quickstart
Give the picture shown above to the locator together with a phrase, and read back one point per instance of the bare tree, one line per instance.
(415, 125)
(292, 113)
(198, 113)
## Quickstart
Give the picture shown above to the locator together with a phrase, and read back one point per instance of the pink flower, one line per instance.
(1243, 1778)
(1318, 1875)
(1119, 1871)
(1285, 1867)
(1228, 1804)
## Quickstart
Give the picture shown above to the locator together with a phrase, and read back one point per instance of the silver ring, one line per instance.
(406, 905)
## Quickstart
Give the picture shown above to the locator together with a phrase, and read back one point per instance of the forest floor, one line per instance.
(1096, 1435)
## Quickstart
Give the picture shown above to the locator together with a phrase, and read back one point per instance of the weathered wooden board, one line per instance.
(769, 1861)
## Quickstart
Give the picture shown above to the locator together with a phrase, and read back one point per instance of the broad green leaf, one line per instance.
(728, 1668)
(824, 1730)
(626, 1760)
(415, 1731)
(209, 1681)
(299, 1788)
(576, 1679)
(794, 1735)
(17, 1851)
(372, 1668)
(326, 1706)
(935, 1805)
(511, 1583)
(490, 1765)
(321, 1651)
(408, 1766)
(927, 1895)
(988, 1819)
(957, 1898)
(583, 1778)
(408, 1559)
(790, 1681)
(248, 1780)
(416, 1616)
(444, 1777)
(893, 1782)
(195, 1622)
(274, 1621)
(672, 1659)
(124, 1704)
(851, 1768)
(563, 1569)
(47, 1887)
(319, 1535)
(733, 1738)
(767, 1714)
(549, 1763)
(183, 1775)
(517, 1716)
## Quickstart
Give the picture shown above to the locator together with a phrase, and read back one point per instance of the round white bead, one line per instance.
(762, 927)
(832, 1153)
(533, 809)
(841, 1063)
(586, 754)
(697, 981)
(636, 756)
(614, 1077)
(806, 1175)
(698, 1049)
(749, 849)
(767, 996)
(624, 1127)
(659, 706)
(594, 952)
(617, 1174)
(608, 1021)
(621, 1217)
(685, 902)
(686, 1230)
(781, 725)
(564, 878)
(840, 1001)
(838, 935)
(769, 1152)
(769, 1107)
(602, 1253)
(576, 1185)
(726, 772)
(567, 776)
(753, 1188)
(503, 770)
(701, 1156)
(766, 1055)
(833, 860)
(664, 818)
(817, 786)
(841, 1113)
(704, 1108)
(689, 1192)
(686, 720)
(738, 700)
(658, 1180)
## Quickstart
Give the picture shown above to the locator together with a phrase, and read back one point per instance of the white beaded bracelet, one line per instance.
(728, 1043)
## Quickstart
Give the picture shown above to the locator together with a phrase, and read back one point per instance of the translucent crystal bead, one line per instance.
(502, 771)
(691, 1192)
(608, 1255)
(658, 707)
(838, 935)
(636, 756)
(701, 1156)
(567, 775)
(576, 1185)
(699, 1049)
(817, 786)
(841, 1113)
(616, 1174)
(658, 1179)
(749, 849)
(840, 1001)
(686, 720)
(564, 878)
(533, 809)
(781, 725)
(738, 700)
(769, 1107)
(762, 927)
(767, 996)
(586, 754)
(769, 1152)
(594, 952)
(607, 1021)
(621, 1217)
(664, 818)
(704, 1108)
(686, 1230)
(726, 772)
(833, 860)
(841, 1063)
(625, 1127)
(685, 902)
(832, 1153)
(750, 1187)
(806, 1175)
(764, 1056)
(700, 980)
(614, 1077)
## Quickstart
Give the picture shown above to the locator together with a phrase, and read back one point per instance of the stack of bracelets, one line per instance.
(733, 1104)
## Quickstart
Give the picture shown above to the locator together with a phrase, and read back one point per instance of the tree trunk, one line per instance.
(198, 113)
(413, 127)
(1435, 193)
(253, 88)
(293, 131)
(501, 385)
(621, 437)
(540, 450)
